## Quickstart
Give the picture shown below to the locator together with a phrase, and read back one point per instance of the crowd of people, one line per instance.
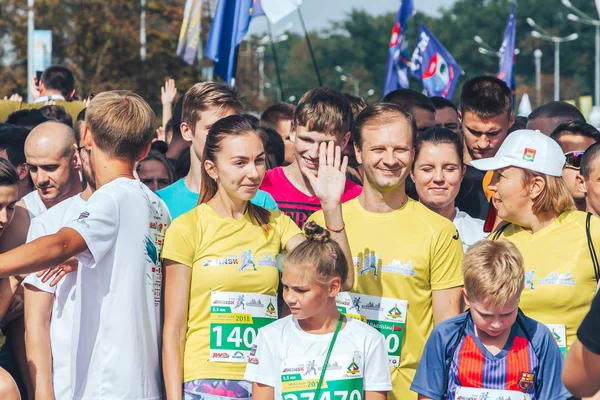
(411, 248)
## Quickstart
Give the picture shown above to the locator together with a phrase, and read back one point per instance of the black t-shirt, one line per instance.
(589, 330)
(471, 198)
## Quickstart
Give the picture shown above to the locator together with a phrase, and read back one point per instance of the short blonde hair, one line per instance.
(121, 123)
(555, 196)
(205, 95)
(493, 272)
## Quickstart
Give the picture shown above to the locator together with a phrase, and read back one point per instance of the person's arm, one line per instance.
(328, 186)
(167, 95)
(581, 373)
(446, 303)
(38, 312)
(263, 392)
(42, 253)
(176, 301)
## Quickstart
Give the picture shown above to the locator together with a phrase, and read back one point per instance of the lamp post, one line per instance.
(537, 57)
(345, 77)
(540, 33)
(487, 50)
(583, 18)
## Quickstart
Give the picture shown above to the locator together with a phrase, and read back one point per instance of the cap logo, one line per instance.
(529, 155)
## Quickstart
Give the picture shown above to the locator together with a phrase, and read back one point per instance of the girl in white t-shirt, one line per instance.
(317, 352)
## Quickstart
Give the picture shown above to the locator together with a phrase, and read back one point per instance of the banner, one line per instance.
(507, 51)
(42, 49)
(396, 76)
(228, 28)
(275, 10)
(434, 65)
(189, 36)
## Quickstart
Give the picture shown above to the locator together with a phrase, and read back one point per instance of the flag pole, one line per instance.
(275, 60)
(310, 49)
(235, 64)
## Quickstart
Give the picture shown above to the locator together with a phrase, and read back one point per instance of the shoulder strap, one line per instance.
(500, 231)
(461, 333)
(591, 246)
(537, 382)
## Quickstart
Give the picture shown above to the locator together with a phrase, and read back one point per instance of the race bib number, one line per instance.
(559, 333)
(386, 315)
(464, 393)
(343, 378)
(234, 322)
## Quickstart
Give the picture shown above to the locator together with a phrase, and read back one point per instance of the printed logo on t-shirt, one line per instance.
(353, 368)
(247, 261)
(218, 262)
(82, 219)
(555, 279)
(370, 264)
(526, 381)
(396, 267)
(154, 277)
(267, 261)
(529, 279)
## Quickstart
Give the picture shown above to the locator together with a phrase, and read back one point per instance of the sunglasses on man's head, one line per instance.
(573, 159)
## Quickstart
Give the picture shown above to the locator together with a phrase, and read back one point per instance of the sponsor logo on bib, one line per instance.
(220, 355)
(271, 309)
(238, 355)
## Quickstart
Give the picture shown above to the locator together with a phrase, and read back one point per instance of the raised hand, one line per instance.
(330, 182)
(168, 92)
(15, 97)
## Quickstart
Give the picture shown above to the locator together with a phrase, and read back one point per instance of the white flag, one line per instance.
(275, 10)
(598, 7)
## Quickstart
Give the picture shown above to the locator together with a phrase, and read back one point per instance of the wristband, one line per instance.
(336, 230)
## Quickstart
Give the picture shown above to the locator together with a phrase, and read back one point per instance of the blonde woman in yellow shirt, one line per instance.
(221, 275)
(557, 242)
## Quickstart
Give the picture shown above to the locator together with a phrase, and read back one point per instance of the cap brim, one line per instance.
(489, 164)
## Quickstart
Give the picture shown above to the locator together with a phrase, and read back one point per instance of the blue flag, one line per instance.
(507, 50)
(396, 76)
(434, 65)
(228, 28)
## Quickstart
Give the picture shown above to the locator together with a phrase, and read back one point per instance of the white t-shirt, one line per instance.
(117, 319)
(61, 323)
(35, 205)
(470, 229)
(291, 360)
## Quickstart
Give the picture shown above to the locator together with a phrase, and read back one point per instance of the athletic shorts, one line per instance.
(217, 389)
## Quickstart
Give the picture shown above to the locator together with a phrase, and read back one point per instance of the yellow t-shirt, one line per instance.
(402, 255)
(234, 281)
(559, 275)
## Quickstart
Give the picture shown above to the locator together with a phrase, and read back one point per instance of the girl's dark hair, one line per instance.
(155, 155)
(8, 173)
(234, 125)
(321, 251)
(437, 135)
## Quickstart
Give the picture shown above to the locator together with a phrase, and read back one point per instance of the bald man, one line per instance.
(52, 156)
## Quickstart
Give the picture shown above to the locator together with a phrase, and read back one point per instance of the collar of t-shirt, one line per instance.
(44, 99)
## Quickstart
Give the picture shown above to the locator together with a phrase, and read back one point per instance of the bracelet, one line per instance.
(336, 230)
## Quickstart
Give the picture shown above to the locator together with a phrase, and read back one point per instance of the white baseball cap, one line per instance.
(526, 149)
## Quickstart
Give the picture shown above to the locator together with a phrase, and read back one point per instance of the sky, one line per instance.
(318, 13)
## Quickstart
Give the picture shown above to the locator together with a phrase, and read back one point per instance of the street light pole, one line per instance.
(556, 71)
(537, 55)
(540, 33)
(583, 18)
(30, 50)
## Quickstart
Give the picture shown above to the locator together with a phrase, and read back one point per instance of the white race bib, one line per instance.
(234, 322)
(343, 377)
(386, 315)
(465, 393)
(559, 333)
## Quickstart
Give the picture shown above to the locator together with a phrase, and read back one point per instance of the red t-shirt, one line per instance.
(297, 205)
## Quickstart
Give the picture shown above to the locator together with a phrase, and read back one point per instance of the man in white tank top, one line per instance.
(51, 154)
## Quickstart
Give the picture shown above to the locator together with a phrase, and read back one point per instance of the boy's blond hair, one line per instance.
(205, 95)
(493, 272)
(121, 123)
(324, 110)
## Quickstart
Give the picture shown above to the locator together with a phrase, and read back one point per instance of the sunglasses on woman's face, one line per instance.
(573, 159)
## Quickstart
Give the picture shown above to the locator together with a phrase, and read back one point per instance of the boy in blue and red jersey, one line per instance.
(492, 350)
